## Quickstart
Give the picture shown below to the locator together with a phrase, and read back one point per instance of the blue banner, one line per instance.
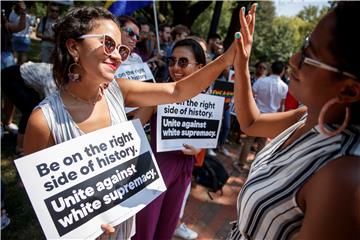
(119, 8)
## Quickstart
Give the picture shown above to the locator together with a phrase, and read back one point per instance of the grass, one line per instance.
(24, 223)
(34, 53)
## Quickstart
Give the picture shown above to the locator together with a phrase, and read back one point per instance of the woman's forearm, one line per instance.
(200, 80)
(245, 106)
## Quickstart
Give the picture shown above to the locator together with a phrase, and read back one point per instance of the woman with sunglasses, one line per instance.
(305, 183)
(87, 53)
(159, 219)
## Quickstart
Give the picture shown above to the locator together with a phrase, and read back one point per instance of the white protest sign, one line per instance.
(196, 121)
(138, 71)
(105, 176)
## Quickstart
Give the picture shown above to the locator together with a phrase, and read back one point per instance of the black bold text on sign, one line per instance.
(177, 128)
(77, 205)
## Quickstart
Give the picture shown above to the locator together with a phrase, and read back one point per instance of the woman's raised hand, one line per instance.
(244, 38)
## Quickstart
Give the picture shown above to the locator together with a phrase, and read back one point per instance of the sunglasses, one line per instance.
(182, 62)
(109, 45)
(54, 10)
(131, 33)
(318, 64)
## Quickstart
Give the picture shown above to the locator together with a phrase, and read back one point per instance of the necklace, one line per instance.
(90, 102)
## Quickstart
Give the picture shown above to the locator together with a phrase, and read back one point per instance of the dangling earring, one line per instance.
(327, 105)
(74, 77)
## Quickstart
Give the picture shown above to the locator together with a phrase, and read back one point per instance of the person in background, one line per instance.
(261, 70)
(203, 44)
(46, 33)
(144, 45)
(305, 183)
(130, 36)
(158, 61)
(182, 230)
(215, 47)
(165, 39)
(7, 60)
(179, 32)
(25, 86)
(160, 218)
(7, 28)
(21, 40)
(247, 142)
(270, 93)
(89, 47)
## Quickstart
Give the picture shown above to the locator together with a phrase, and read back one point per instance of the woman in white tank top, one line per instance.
(87, 53)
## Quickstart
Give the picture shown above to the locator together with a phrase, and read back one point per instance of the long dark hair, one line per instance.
(345, 43)
(78, 21)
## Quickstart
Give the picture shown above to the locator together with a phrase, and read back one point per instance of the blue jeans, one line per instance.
(21, 44)
(225, 127)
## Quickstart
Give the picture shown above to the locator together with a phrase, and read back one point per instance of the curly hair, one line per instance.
(76, 22)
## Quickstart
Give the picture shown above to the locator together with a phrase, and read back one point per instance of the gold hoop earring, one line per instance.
(74, 77)
(322, 128)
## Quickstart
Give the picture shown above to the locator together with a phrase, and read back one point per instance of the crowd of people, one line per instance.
(304, 180)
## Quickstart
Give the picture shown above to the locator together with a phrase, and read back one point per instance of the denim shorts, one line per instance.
(21, 44)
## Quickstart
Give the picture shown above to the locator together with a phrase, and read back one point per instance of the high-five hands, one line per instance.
(244, 38)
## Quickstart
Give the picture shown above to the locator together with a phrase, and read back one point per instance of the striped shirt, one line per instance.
(267, 207)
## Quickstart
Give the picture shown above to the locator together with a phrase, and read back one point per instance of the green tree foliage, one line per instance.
(311, 16)
(263, 34)
(277, 38)
(38, 9)
(201, 25)
(286, 37)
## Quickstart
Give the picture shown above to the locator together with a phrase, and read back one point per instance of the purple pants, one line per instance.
(159, 219)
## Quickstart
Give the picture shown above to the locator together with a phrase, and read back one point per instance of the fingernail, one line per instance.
(243, 9)
(237, 35)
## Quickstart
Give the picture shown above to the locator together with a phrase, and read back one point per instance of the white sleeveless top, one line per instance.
(63, 128)
(267, 206)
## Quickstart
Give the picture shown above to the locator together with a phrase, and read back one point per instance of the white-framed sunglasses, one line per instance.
(318, 64)
(109, 45)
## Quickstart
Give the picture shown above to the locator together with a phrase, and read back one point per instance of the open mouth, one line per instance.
(178, 76)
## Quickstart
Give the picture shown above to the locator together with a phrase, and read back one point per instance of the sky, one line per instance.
(292, 7)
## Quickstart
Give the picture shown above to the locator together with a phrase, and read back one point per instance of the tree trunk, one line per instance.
(234, 23)
(186, 13)
(216, 17)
